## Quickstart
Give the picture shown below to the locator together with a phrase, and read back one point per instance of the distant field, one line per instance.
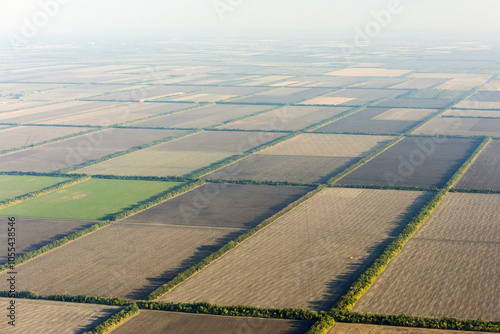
(122, 260)
(34, 233)
(460, 126)
(418, 83)
(381, 82)
(305, 158)
(214, 94)
(307, 258)
(203, 117)
(12, 186)
(368, 72)
(342, 328)
(148, 93)
(433, 94)
(44, 316)
(414, 103)
(468, 104)
(355, 97)
(283, 95)
(414, 161)
(288, 118)
(183, 156)
(449, 268)
(160, 322)
(485, 171)
(30, 135)
(225, 205)
(472, 113)
(90, 200)
(379, 120)
(73, 151)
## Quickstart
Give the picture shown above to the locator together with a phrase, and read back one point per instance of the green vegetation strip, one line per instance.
(364, 160)
(115, 320)
(236, 311)
(59, 242)
(44, 191)
(181, 277)
(118, 154)
(322, 326)
(68, 298)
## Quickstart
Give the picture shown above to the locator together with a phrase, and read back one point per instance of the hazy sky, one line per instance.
(215, 18)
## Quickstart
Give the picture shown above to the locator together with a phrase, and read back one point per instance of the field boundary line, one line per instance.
(226, 248)
(364, 160)
(61, 185)
(115, 320)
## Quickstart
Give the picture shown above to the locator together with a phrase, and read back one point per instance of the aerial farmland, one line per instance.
(250, 186)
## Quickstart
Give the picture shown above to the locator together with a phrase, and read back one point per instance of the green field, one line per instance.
(12, 186)
(90, 200)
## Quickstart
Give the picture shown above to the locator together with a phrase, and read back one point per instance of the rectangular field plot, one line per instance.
(468, 104)
(286, 118)
(304, 158)
(355, 97)
(414, 161)
(414, 103)
(319, 81)
(283, 95)
(122, 260)
(449, 268)
(160, 322)
(343, 328)
(12, 186)
(368, 72)
(148, 93)
(89, 200)
(226, 205)
(22, 136)
(307, 258)
(485, 171)
(183, 156)
(382, 82)
(419, 83)
(214, 94)
(379, 121)
(77, 150)
(472, 113)
(203, 117)
(34, 233)
(50, 317)
(460, 126)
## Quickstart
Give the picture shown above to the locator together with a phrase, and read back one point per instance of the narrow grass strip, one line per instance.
(364, 160)
(181, 277)
(115, 320)
(57, 243)
(235, 311)
(67, 298)
(44, 191)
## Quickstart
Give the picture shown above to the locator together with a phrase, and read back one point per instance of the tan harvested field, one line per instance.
(122, 260)
(472, 113)
(382, 82)
(470, 104)
(327, 100)
(182, 156)
(76, 150)
(30, 135)
(148, 93)
(160, 322)
(283, 95)
(418, 83)
(264, 81)
(368, 72)
(203, 117)
(460, 126)
(404, 114)
(307, 258)
(449, 268)
(343, 328)
(214, 94)
(50, 317)
(492, 86)
(288, 118)
(34, 233)
(327, 145)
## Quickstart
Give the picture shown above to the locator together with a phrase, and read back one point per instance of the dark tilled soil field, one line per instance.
(485, 171)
